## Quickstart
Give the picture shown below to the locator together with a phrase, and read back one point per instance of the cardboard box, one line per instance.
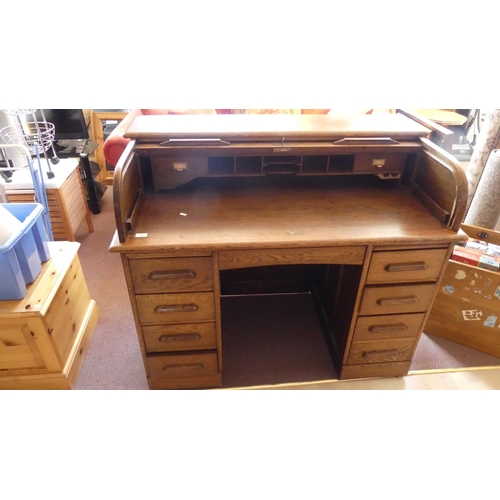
(466, 255)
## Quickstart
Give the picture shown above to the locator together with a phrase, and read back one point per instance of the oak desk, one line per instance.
(361, 213)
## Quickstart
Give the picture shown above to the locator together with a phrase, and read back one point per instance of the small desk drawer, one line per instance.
(187, 337)
(396, 299)
(379, 162)
(181, 366)
(172, 275)
(405, 266)
(388, 327)
(383, 351)
(165, 308)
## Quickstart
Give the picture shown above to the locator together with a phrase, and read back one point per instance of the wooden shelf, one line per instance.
(96, 119)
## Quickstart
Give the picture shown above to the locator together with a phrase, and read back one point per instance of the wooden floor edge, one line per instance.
(413, 373)
(453, 370)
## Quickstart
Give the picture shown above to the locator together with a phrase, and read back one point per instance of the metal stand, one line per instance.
(36, 136)
(38, 182)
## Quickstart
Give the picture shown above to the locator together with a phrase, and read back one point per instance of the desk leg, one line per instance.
(88, 179)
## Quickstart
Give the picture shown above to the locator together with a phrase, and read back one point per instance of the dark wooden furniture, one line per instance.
(362, 213)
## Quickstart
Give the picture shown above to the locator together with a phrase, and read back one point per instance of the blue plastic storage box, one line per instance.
(22, 255)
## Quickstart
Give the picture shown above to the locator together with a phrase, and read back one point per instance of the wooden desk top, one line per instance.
(250, 213)
(443, 116)
(155, 128)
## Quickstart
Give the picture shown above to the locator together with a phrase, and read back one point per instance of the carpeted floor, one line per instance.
(114, 359)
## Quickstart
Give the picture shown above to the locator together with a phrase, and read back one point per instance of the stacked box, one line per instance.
(21, 256)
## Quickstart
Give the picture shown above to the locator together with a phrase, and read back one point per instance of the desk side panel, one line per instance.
(127, 186)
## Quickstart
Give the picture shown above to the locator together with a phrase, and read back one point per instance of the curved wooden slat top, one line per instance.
(155, 128)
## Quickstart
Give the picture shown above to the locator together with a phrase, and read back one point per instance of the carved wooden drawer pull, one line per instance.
(406, 266)
(189, 337)
(381, 351)
(394, 301)
(397, 327)
(168, 275)
(176, 308)
(190, 367)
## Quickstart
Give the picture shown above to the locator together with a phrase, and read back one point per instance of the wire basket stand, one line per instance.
(35, 135)
(38, 182)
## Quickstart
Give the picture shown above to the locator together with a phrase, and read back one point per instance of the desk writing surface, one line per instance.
(283, 213)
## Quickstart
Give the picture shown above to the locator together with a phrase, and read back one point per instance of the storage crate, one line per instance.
(21, 256)
(467, 305)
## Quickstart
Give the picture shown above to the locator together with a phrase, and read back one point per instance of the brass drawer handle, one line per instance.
(395, 301)
(366, 140)
(397, 327)
(169, 275)
(381, 351)
(201, 141)
(185, 367)
(189, 337)
(176, 308)
(406, 266)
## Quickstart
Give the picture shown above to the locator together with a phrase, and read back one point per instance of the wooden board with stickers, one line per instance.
(467, 305)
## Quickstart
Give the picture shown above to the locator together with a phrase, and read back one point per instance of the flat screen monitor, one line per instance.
(68, 123)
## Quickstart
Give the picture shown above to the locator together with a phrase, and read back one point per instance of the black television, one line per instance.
(68, 123)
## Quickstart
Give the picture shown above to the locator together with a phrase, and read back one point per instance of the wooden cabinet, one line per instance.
(467, 309)
(66, 198)
(96, 119)
(45, 336)
(361, 215)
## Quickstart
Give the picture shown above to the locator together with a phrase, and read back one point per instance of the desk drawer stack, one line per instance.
(399, 289)
(175, 312)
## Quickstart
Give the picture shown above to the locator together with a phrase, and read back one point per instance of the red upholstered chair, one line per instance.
(115, 144)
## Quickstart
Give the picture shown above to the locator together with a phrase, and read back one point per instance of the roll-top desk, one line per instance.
(361, 213)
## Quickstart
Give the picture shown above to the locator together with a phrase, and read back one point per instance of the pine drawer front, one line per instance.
(162, 308)
(379, 162)
(396, 299)
(406, 266)
(68, 309)
(177, 371)
(172, 275)
(382, 351)
(186, 337)
(18, 349)
(388, 327)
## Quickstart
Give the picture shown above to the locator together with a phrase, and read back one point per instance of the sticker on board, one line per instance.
(472, 315)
